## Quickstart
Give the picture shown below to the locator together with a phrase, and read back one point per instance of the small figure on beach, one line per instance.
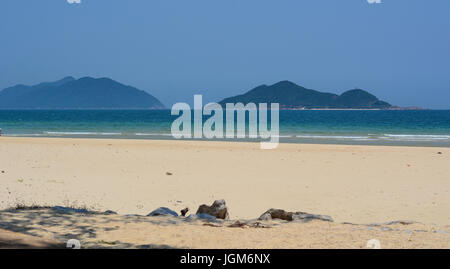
(1, 132)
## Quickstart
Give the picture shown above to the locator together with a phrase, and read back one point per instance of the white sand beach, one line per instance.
(357, 184)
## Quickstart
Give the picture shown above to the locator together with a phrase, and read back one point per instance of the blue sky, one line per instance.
(399, 50)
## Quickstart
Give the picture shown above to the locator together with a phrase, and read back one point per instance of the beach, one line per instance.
(351, 183)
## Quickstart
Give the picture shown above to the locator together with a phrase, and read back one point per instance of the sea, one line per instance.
(363, 127)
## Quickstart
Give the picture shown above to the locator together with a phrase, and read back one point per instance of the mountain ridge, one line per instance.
(292, 96)
(82, 93)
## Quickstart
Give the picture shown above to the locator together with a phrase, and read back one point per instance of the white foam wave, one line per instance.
(19, 135)
(282, 136)
(382, 137)
(152, 134)
(81, 133)
(416, 136)
(332, 137)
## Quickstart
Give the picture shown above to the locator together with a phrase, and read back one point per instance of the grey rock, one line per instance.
(403, 222)
(163, 211)
(218, 209)
(110, 212)
(276, 214)
(292, 216)
(305, 217)
(248, 224)
(202, 216)
(265, 216)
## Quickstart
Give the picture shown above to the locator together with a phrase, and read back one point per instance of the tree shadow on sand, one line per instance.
(46, 222)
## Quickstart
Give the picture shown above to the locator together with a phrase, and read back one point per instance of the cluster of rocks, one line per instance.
(219, 211)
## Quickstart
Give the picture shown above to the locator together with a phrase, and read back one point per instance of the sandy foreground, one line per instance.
(356, 184)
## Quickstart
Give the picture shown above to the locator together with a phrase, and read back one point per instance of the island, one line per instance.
(83, 93)
(292, 96)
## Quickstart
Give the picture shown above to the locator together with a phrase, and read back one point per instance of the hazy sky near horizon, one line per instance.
(398, 50)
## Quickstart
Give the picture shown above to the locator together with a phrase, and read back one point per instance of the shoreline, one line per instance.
(226, 141)
(284, 139)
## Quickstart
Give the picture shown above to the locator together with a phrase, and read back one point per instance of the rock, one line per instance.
(184, 211)
(218, 209)
(63, 209)
(402, 222)
(258, 224)
(168, 173)
(292, 216)
(201, 216)
(305, 217)
(439, 152)
(276, 214)
(204, 216)
(163, 211)
(265, 216)
(110, 212)
(249, 224)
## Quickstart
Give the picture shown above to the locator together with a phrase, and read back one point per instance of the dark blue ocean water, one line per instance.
(421, 127)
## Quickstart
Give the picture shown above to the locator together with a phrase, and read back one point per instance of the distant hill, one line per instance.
(292, 96)
(83, 93)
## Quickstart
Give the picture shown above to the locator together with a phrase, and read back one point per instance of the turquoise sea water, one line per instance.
(421, 127)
